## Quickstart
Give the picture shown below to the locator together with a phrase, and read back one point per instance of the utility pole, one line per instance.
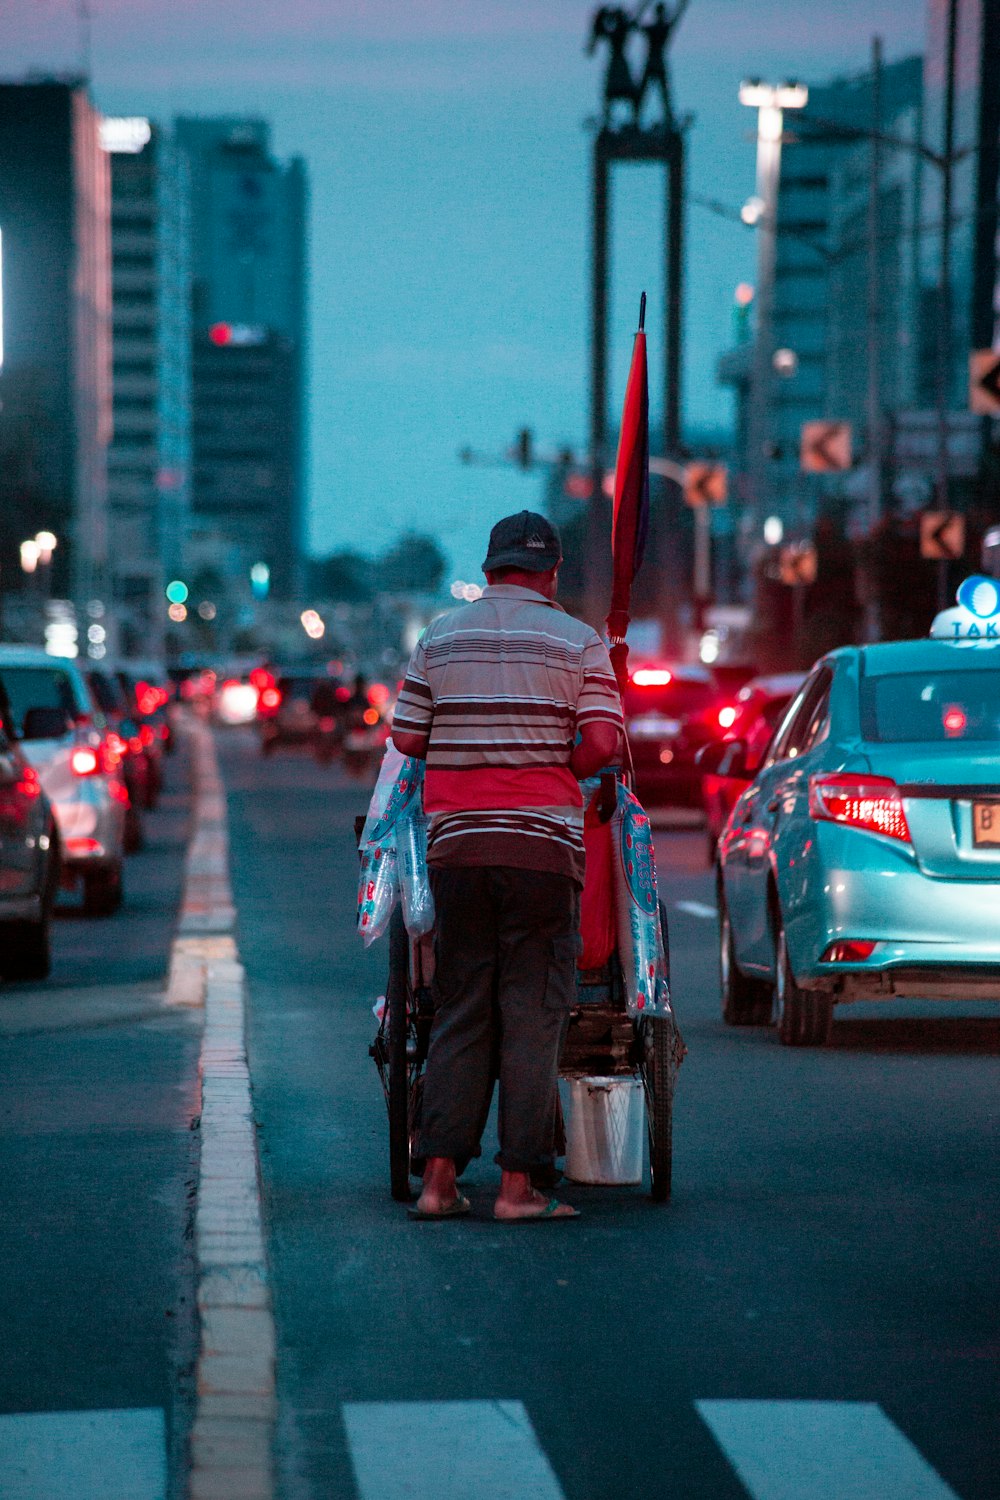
(874, 311)
(770, 103)
(944, 297)
(597, 540)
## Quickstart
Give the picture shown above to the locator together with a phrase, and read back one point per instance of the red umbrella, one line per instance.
(630, 525)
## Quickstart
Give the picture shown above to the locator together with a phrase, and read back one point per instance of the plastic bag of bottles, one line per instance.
(640, 938)
(414, 881)
(400, 778)
(394, 850)
(377, 889)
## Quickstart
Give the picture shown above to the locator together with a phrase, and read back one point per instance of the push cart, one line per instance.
(602, 1041)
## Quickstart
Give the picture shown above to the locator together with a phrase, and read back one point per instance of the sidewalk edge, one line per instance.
(235, 1405)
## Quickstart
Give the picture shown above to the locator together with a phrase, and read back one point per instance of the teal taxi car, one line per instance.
(863, 861)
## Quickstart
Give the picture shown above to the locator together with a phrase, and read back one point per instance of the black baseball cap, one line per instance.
(526, 541)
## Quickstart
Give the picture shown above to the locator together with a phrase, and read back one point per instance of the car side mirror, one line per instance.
(723, 758)
(45, 724)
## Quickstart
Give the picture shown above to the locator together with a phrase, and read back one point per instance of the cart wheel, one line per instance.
(656, 1064)
(397, 995)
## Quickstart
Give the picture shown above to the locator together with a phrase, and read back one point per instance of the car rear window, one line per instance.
(674, 699)
(931, 707)
(38, 687)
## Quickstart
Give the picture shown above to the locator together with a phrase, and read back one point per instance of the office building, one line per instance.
(974, 309)
(249, 340)
(149, 461)
(55, 378)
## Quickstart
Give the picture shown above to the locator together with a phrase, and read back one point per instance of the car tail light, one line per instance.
(270, 699)
(135, 745)
(371, 716)
(148, 698)
(858, 800)
(652, 677)
(848, 951)
(378, 694)
(117, 748)
(84, 846)
(119, 791)
(85, 761)
(727, 716)
(164, 732)
(146, 735)
(29, 785)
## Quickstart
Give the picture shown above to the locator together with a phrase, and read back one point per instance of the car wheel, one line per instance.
(102, 891)
(133, 829)
(26, 949)
(804, 1018)
(745, 1002)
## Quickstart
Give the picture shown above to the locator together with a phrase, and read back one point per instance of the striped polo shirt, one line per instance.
(500, 687)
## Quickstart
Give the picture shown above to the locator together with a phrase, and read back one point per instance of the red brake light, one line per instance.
(652, 677)
(85, 762)
(371, 716)
(727, 716)
(378, 694)
(872, 803)
(955, 720)
(29, 784)
(270, 698)
(848, 951)
(146, 734)
(343, 694)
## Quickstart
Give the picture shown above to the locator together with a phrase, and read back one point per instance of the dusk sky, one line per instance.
(449, 169)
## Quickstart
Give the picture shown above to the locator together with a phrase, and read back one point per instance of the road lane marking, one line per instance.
(88, 1455)
(697, 909)
(826, 1450)
(236, 1403)
(447, 1450)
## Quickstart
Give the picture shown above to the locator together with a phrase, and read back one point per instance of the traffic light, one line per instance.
(524, 448)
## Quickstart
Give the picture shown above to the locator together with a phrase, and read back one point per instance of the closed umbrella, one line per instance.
(630, 525)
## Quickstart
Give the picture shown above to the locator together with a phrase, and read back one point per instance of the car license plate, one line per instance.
(986, 823)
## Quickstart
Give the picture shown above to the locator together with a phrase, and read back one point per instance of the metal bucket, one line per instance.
(604, 1130)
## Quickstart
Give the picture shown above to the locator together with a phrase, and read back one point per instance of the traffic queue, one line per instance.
(81, 758)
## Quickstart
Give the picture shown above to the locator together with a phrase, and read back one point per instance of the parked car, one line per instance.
(863, 860)
(29, 861)
(63, 739)
(752, 719)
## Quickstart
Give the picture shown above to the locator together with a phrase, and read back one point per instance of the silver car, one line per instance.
(62, 736)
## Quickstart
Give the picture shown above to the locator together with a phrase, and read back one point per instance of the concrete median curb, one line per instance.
(231, 1437)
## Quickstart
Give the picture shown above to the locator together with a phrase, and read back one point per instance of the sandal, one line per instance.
(456, 1210)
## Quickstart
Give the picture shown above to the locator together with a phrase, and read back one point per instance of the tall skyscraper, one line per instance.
(149, 460)
(55, 378)
(249, 341)
(975, 305)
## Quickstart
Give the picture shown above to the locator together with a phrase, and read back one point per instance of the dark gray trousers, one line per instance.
(505, 979)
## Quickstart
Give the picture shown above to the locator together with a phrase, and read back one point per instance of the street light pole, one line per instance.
(874, 307)
(770, 103)
(944, 294)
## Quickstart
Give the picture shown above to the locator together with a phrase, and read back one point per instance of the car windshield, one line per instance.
(37, 687)
(675, 699)
(931, 707)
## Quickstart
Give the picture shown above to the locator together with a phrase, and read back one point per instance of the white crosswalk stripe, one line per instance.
(823, 1450)
(447, 1450)
(86, 1455)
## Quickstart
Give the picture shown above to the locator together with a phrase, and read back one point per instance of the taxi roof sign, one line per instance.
(976, 616)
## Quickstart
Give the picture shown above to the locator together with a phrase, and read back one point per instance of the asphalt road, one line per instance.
(832, 1236)
(97, 1166)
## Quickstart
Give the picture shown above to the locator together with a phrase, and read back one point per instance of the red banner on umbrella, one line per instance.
(630, 525)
